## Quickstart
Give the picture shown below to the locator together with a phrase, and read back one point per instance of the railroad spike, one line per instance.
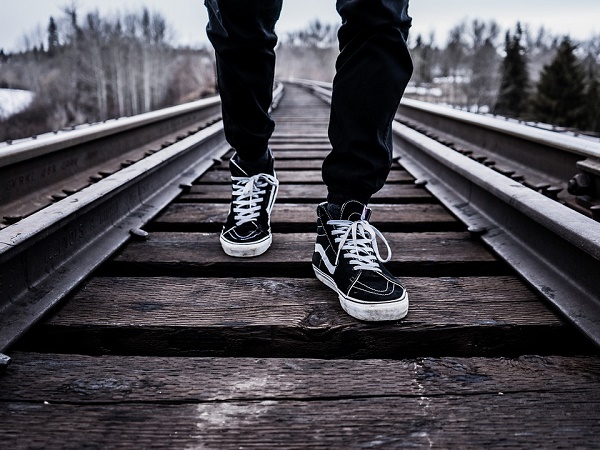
(59, 196)
(12, 219)
(138, 234)
(4, 361)
(476, 231)
(595, 212)
(552, 192)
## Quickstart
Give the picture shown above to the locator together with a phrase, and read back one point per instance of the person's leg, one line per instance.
(242, 33)
(373, 69)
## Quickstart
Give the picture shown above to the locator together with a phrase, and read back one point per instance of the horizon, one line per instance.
(187, 18)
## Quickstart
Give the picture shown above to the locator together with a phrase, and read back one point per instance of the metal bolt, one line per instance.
(581, 184)
(420, 182)
(595, 212)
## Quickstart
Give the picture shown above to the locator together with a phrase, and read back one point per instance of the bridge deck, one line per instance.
(174, 344)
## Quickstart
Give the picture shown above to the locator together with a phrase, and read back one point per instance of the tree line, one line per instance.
(529, 75)
(566, 92)
(97, 68)
(532, 76)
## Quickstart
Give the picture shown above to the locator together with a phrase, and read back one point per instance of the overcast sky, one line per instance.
(578, 18)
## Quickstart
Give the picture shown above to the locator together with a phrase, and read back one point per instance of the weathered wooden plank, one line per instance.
(268, 317)
(295, 176)
(299, 139)
(282, 164)
(280, 135)
(316, 155)
(390, 193)
(538, 420)
(302, 218)
(92, 379)
(296, 147)
(200, 254)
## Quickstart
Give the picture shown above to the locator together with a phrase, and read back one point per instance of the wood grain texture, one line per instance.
(538, 420)
(290, 193)
(200, 254)
(92, 379)
(278, 148)
(289, 217)
(269, 317)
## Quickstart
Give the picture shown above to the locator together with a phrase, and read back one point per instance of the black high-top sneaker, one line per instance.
(247, 231)
(347, 260)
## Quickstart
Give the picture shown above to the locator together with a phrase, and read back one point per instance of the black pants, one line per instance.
(373, 69)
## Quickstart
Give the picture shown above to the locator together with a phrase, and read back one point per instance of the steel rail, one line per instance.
(46, 255)
(36, 172)
(543, 160)
(571, 144)
(561, 166)
(31, 149)
(554, 248)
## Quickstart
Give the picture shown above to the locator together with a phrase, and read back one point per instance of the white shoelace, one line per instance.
(358, 242)
(249, 194)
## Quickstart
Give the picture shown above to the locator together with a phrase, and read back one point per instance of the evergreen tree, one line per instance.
(52, 37)
(560, 98)
(592, 106)
(514, 87)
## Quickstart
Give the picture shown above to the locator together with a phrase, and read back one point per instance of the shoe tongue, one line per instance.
(243, 168)
(354, 210)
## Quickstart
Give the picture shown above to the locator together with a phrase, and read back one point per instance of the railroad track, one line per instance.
(172, 343)
(501, 179)
(564, 167)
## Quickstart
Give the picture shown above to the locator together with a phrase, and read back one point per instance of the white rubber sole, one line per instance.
(367, 311)
(246, 250)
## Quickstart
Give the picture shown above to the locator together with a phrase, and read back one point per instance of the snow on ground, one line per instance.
(433, 92)
(13, 101)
